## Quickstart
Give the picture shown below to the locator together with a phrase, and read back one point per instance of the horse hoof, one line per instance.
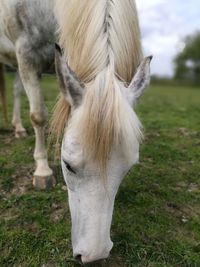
(20, 134)
(42, 183)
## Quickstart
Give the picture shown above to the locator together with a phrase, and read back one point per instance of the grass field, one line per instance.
(156, 221)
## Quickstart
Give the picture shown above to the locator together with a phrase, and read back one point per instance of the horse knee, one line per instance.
(38, 119)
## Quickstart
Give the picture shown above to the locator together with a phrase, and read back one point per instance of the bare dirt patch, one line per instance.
(184, 213)
(21, 182)
(59, 212)
(9, 214)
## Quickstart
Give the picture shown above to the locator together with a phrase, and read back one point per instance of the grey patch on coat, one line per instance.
(37, 30)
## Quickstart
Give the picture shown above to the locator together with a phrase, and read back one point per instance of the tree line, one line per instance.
(187, 62)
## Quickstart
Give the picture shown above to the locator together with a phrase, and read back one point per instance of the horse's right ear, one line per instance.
(140, 80)
(70, 85)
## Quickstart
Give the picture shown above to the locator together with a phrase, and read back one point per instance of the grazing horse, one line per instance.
(99, 82)
(27, 37)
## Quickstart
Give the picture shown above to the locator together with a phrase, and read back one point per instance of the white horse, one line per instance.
(101, 44)
(27, 36)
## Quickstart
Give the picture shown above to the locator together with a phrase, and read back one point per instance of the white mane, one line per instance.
(101, 41)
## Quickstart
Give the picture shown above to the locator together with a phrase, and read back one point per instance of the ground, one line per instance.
(156, 221)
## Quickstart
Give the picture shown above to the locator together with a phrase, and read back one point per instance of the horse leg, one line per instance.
(2, 93)
(20, 132)
(43, 175)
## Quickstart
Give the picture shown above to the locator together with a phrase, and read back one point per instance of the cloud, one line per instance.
(164, 24)
(143, 4)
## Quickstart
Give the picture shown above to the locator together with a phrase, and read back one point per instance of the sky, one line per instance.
(164, 24)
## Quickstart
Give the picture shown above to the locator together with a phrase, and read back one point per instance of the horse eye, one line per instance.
(69, 167)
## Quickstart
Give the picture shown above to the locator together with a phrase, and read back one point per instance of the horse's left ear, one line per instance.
(70, 85)
(140, 80)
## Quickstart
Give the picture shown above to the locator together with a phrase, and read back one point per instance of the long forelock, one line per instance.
(101, 41)
(107, 122)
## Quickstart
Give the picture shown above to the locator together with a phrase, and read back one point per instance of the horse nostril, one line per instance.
(78, 258)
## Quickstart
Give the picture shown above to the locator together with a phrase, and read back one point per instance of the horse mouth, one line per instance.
(82, 261)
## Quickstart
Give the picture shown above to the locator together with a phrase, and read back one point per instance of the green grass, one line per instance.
(156, 221)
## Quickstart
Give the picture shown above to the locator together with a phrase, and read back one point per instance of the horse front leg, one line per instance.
(43, 175)
(20, 131)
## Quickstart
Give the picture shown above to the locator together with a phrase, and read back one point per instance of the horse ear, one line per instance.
(140, 80)
(70, 85)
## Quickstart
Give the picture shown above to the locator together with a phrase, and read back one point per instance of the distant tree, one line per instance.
(187, 62)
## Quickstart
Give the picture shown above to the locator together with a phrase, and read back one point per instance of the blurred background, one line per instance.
(171, 32)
